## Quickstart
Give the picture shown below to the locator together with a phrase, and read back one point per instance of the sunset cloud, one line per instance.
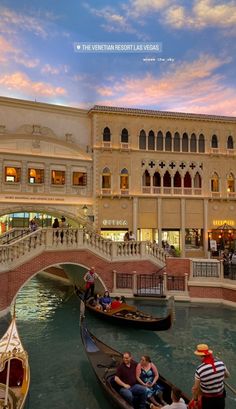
(11, 22)
(190, 87)
(23, 84)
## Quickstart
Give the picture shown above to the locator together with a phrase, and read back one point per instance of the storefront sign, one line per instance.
(224, 221)
(114, 222)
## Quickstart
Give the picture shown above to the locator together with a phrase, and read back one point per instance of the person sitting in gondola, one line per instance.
(116, 303)
(147, 375)
(105, 301)
(95, 302)
(177, 401)
(130, 390)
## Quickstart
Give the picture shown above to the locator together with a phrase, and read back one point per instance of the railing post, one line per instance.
(186, 283)
(142, 248)
(135, 287)
(80, 237)
(113, 249)
(165, 283)
(114, 281)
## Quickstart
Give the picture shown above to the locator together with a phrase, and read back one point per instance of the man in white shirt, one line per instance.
(178, 402)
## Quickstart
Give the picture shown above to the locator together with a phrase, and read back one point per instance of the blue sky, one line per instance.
(195, 72)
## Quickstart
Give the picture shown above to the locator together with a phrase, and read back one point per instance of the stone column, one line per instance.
(205, 228)
(135, 216)
(159, 218)
(182, 221)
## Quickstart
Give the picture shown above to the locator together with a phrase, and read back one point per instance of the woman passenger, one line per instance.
(147, 375)
(105, 301)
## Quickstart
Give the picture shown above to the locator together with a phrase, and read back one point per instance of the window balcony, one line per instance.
(124, 192)
(215, 195)
(124, 146)
(146, 189)
(106, 192)
(106, 145)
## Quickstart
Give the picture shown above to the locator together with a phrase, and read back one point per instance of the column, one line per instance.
(205, 227)
(159, 218)
(182, 231)
(135, 216)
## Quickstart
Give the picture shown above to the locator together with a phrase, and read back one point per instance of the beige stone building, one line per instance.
(168, 177)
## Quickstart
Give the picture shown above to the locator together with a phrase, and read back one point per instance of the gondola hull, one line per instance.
(104, 361)
(127, 315)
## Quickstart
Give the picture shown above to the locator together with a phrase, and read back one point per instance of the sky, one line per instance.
(61, 52)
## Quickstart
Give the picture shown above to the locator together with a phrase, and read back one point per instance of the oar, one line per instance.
(230, 387)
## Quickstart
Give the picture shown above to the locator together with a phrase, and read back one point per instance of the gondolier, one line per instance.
(209, 379)
(89, 279)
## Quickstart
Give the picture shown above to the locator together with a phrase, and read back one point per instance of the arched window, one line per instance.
(177, 142)
(187, 180)
(167, 179)
(201, 143)
(215, 183)
(214, 141)
(106, 135)
(230, 183)
(124, 179)
(230, 142)
(159, 141)
(177, 180)
(168, 143)
(151, 141)
(197, 182)
(124, 136)
(106, 178)
(142, 140)
(185, 142)
(157, 179)
(193, 143)
(146, 178)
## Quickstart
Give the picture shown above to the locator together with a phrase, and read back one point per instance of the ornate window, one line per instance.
(142, 139)
(124, 136)
(214, 141)
(12, 174)
(197, 182)
(157, 179)
(106, 135)
(230, 183)
(58, 177)
(230, 142)
(106, 178)
(151, 141)
(185, 142)
(168, 142)
(193, 143)
(215, 183)
(160, 141)
(187, 180)
(124, 179)
(177, 180)
(201, 143)
(35, 175)
(79, 179)
(176, 142)
(146, 178)
(167, 179)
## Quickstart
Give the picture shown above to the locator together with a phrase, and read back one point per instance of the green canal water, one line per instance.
(61, 378)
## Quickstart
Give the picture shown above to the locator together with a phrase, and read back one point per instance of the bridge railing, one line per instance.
(13, 234)
(43, 239)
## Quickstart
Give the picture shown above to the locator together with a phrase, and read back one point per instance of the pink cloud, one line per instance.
(22, 83)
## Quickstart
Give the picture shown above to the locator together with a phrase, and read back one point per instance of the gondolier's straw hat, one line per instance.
(202, 350)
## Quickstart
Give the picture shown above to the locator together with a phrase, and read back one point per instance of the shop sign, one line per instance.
(224, 221)
(114, 222)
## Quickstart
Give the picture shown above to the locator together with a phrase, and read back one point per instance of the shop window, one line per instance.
(214, 142)
(58, 177)
(151, 141)
(176, 142)
(230, 183)
(157, 179)
(187, 180)
(142, 140)
(201, 143)
(193, 143)
(193, 238)
(215, 183)
(170, 238)
(106, 135)
(124, 179)
(160, 141)
(124, 136)
(167, 179)
(168, 142)
(79, 179)
(185, 142)
(106, 178)
(12, 174)
(146, 178)
(35, 175)
(230, 142)
(197, 181)
(177, 180)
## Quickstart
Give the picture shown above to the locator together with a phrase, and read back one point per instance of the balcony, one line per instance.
(124, 192)
(106, 145)
(124, 146)
(106, 192)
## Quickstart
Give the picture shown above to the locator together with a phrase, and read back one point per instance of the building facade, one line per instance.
(167, 177)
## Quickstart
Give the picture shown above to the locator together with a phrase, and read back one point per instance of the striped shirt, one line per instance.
(211, 382)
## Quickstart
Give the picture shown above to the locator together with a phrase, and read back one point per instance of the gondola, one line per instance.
(104, 361)
(129, 315)
(14, 370)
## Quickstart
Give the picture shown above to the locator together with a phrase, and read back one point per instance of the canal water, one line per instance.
(61, 378)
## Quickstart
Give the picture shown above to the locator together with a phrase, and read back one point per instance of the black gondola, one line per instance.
(104, 361)
(128, 314)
